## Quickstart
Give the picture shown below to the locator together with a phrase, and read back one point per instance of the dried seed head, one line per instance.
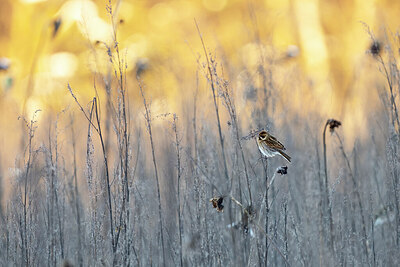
(56, 26)
(375, 48)
(282, 170)
(217, 203)
(142, 64)
(333, 124)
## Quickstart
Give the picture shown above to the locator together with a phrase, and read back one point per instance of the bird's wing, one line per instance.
(274, 143)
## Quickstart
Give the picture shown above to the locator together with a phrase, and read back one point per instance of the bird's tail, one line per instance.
(286, 156)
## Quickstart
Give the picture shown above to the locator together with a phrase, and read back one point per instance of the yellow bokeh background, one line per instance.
(316, 50)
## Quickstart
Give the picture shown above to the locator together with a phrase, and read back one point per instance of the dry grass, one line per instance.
(133, 188)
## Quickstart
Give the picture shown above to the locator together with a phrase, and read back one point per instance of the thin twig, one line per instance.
(221, 139)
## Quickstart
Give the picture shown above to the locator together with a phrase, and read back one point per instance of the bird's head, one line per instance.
(263, 135)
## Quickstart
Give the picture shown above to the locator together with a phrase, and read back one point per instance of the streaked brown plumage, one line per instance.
(270, 146)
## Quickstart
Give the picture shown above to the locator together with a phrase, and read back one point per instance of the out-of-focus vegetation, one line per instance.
(50, 43)
(140, 125)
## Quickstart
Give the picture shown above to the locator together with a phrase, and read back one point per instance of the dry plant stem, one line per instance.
(179, 174)
(221, 139)
(320, 204)
(25, 208)
(54, 173)
(76, 192)
(261, 229)
(272, 181)
(7, 236)
(195, 116)
(226, 96)
(50, 209)
(148, 122)
(357, 192)
(124, 150)
(286, 252)
(194, 124)
(327, 197)
(267, 206)
(266, 211)
(81, 108)
(98, 130)
(232, 113)
(205, 248)
(23, 224)
(373, 242)
(392, 97)
(120, 76)
(60, 221)
(395, 116)
(245, 166)
(114, 245)
(89, 179)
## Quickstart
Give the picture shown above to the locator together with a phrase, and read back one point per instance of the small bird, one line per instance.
(269, 146)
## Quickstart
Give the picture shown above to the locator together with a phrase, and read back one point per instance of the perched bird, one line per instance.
(269, 146)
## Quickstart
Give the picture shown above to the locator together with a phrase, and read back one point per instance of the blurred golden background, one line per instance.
(317, 50)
